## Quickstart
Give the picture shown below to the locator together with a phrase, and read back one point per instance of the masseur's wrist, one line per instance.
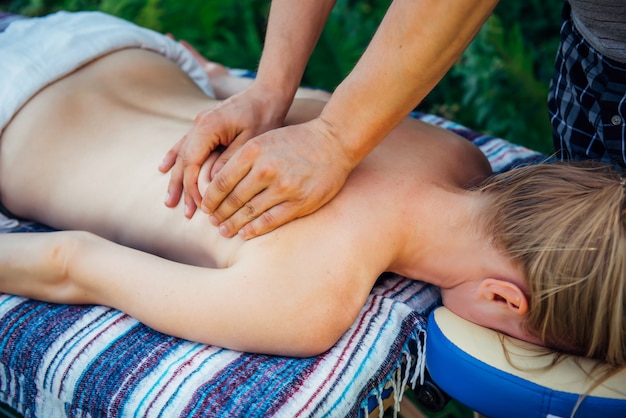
(273, 101)
(347, 152)
(277, 81)
(355, 135)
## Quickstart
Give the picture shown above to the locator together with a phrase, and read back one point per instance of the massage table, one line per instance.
(94, 361)
(468, 363)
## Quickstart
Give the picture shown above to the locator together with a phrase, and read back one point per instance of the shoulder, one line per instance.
(432, 153)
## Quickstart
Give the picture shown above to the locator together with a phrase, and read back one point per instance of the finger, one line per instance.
(219, 198)
(269, 220)
(255, 207)
(238, 200)
(198, 147)
(227, 154)
(175, 186)
(171, 156)
(169, 161)
(190, 185)
(204, 176)
(219, 164)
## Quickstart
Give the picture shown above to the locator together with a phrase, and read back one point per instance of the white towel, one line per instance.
(36, 52)
(7, 224)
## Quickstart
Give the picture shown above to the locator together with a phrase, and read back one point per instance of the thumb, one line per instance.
(228, 153)
(219, 164)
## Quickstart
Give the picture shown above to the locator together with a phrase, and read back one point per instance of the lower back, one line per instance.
(83, 154)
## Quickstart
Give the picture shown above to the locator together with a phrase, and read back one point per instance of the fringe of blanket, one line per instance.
(409, 368)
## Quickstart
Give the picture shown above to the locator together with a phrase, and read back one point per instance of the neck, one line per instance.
(445, 243)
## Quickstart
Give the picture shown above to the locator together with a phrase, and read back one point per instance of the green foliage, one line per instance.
(345, 37)
(499, 86)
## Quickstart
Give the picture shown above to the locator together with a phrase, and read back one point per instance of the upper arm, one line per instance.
(277, 303)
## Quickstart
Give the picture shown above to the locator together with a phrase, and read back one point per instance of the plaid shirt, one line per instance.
(587, 101)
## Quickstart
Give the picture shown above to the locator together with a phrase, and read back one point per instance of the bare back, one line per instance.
(83, 155)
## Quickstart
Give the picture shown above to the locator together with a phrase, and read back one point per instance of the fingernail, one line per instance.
(204, 209)
(241, 234)
(167, 197)
(213, 220)
(224, 230)
(188, 211)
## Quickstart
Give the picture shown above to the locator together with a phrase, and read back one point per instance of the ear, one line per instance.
(506, 293)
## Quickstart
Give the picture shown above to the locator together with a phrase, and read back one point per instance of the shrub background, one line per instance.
(499, 86)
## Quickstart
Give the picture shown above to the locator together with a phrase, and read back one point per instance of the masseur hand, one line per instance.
(232, 123)
(277, 177)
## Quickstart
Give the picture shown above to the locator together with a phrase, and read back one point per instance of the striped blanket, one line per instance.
(93, 361)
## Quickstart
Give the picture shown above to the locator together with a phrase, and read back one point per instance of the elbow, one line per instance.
(314, 340)
(60, 258)
(304, 319)
(45, 267)
(319, 329)
(54, 261)
(281, 335)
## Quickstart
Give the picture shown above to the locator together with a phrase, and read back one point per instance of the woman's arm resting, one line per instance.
(250, 309)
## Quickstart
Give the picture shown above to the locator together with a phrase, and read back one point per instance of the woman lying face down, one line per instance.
(514, 253)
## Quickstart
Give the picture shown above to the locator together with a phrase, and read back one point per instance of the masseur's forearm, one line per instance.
(416, 44)
(292, 32)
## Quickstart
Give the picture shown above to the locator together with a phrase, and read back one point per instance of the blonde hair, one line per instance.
(564, 224)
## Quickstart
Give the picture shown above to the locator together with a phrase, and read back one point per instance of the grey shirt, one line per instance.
(603, 24)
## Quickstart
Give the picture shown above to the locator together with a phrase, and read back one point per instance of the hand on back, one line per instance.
(230, 124)
(274, 178)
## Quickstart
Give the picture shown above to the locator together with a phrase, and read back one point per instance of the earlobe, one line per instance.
(504, 292)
